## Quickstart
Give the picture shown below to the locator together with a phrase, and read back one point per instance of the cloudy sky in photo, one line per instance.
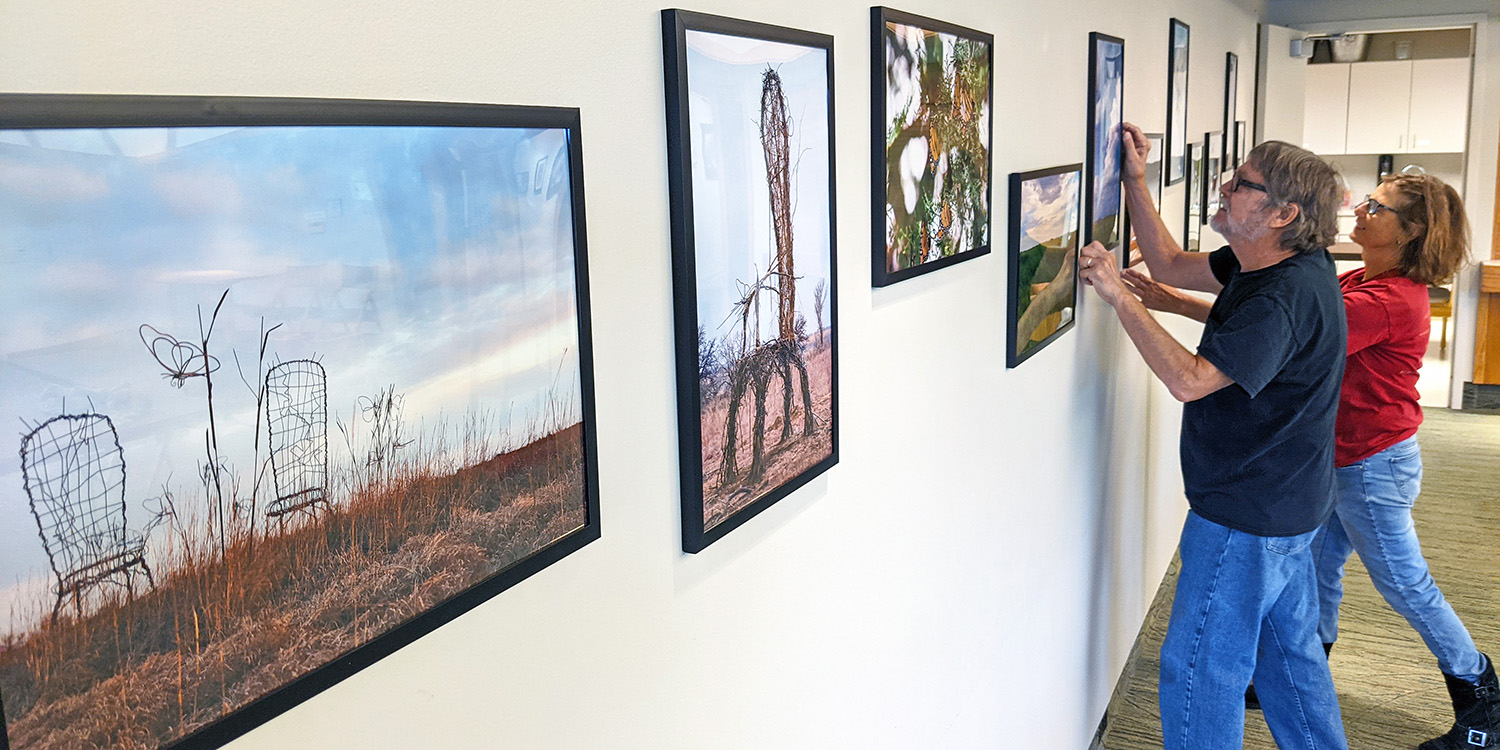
(435, 261)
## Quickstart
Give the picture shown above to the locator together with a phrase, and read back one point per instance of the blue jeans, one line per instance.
(1372, 516)
(1246, 607)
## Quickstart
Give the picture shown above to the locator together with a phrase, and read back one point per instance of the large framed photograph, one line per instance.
(1177, 101)
(298, 382)
(750, 150)
(1102, 209)
(1231, 105)
(1193, 197)
(931, 85)
(1045, 207)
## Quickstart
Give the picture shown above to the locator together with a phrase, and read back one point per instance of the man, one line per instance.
(1260, 396)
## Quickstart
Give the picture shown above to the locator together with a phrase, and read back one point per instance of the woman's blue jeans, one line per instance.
(1246, 607)
(1372, 516)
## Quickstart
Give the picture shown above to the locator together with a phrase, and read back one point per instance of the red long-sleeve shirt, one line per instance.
(1390, 324)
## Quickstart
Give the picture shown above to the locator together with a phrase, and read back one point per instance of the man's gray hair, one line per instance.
(1298, 176)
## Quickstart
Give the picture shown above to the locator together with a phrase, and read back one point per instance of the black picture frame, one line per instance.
(1192, 212)
(1023, 269)
(1231, 104)
(892, 224)
(1179, 38)
(738, 496)
(230, 125)
(1106, 56)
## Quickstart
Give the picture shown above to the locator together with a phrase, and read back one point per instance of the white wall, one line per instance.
(974, 571)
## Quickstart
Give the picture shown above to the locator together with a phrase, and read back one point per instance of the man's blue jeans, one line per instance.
(1372, 515)
(1246, 607)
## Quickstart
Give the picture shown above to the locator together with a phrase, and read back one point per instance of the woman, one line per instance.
(1412, 233)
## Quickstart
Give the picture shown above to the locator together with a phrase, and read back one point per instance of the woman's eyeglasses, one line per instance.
(1374, 207)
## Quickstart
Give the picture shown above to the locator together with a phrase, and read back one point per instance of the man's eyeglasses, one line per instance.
(1236, 182)
(1374, 207)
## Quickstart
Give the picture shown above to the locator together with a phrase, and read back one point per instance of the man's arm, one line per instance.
(1166, 259)
(1187, 376)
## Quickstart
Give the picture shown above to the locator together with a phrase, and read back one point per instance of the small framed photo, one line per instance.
(1177, 101)
(931, 89)
(1045, 207)
(1102, 209)
(1231, 104)
(1193, 214)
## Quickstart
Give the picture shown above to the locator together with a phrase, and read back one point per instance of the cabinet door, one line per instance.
(1379, 106)
(1439, 105)
(1325, 108)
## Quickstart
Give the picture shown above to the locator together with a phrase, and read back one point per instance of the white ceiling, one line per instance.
(1295, 12)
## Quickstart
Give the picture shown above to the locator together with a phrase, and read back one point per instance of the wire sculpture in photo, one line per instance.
(297, 420)
(74, 474)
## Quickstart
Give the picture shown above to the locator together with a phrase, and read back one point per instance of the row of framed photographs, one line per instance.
(415, 275)
(1206, 173)
(750, 148)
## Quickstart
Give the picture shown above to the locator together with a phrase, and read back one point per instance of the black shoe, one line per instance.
(1476, 712)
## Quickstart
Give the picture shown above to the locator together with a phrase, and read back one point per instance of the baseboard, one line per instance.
(1481, 397)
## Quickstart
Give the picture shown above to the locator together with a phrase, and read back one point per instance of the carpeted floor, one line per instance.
(1390, 690)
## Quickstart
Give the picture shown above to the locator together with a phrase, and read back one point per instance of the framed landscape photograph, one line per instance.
(1231, 104)
(1177, 101)
(750, 166)
(1102, 208)
(1193, 198)
(343, 348)
(931, 89)
(1045, 208)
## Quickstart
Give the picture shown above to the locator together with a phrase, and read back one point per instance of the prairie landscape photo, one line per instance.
(1107, 109)
(762, 248)
(936, 180)
(272, 392)
(1046, 208)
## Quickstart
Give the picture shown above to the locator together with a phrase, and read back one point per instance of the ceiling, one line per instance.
(1295, 12)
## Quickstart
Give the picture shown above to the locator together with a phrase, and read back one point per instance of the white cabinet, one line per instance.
(1326, 108)
(1388, 107)
(1379, 107)
(1403, 107)
(1439, 105)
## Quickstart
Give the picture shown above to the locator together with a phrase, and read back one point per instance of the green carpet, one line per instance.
(1390, 690)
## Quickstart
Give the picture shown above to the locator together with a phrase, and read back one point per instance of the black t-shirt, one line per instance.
(1257, 455)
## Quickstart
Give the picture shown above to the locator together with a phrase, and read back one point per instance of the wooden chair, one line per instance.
(1440, 300)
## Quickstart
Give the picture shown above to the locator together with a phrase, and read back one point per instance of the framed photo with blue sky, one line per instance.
(750, 169)
(343, 349)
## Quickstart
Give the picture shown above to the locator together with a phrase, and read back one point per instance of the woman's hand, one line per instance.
(1158, 296)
